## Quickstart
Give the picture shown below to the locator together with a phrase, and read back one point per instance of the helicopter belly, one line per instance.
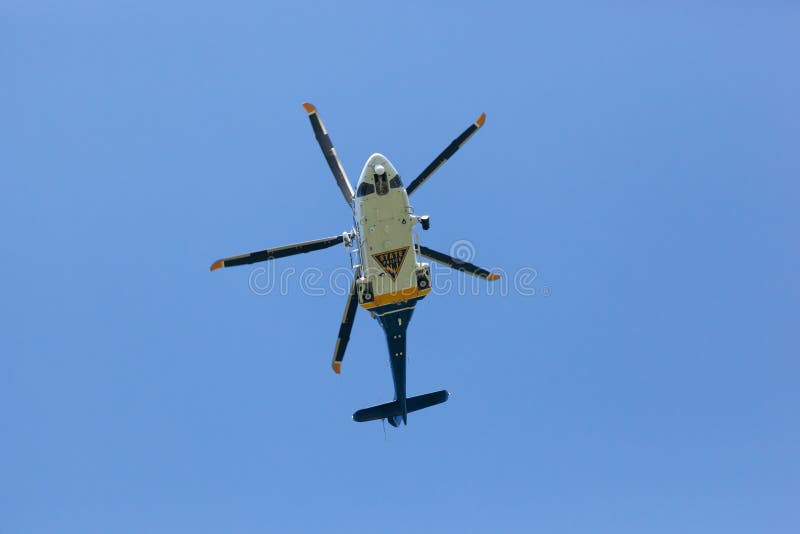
(387, 249)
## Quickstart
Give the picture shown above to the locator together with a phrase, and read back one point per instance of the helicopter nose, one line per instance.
(377, 165)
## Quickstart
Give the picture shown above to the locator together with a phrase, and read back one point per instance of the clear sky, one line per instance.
(641, 160)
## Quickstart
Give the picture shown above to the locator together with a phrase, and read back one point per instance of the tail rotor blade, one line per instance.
(345, 329)
(446, 154)
(329, 152)
(459, 265)
(279, 252)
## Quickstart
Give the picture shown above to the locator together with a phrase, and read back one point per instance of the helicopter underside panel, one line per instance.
(386, 239)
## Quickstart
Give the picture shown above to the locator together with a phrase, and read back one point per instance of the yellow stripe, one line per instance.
(396, 296)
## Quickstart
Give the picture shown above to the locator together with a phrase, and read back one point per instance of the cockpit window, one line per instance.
(395, 182)
(364, 189)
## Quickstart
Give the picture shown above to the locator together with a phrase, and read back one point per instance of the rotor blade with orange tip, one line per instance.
(329, 152)
(279, 252)
(459, 265)
(446, 154)
(345, 329)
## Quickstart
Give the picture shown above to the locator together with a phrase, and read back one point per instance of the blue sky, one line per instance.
(642, 158)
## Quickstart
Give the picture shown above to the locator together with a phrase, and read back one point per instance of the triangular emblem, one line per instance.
(391, 261)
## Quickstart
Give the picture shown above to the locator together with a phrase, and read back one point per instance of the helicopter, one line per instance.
(389, 276)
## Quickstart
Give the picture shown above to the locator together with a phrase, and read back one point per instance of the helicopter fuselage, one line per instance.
(385, 221)
(391, 280)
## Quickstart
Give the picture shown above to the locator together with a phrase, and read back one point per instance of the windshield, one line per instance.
(382, 185)
(364, 189)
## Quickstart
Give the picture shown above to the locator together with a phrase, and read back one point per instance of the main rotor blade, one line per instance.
(279, 252)
(344, 329)
(446, 154)
(459, 265)
(329, 152)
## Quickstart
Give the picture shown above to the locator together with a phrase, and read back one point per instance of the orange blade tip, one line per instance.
(337, 367)
(309, 108)
(481, 120)
(493, 277)
(217, 264)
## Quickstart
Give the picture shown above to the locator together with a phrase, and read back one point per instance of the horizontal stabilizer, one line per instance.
(393, 409)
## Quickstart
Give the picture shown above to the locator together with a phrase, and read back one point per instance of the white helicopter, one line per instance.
(389, 276)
